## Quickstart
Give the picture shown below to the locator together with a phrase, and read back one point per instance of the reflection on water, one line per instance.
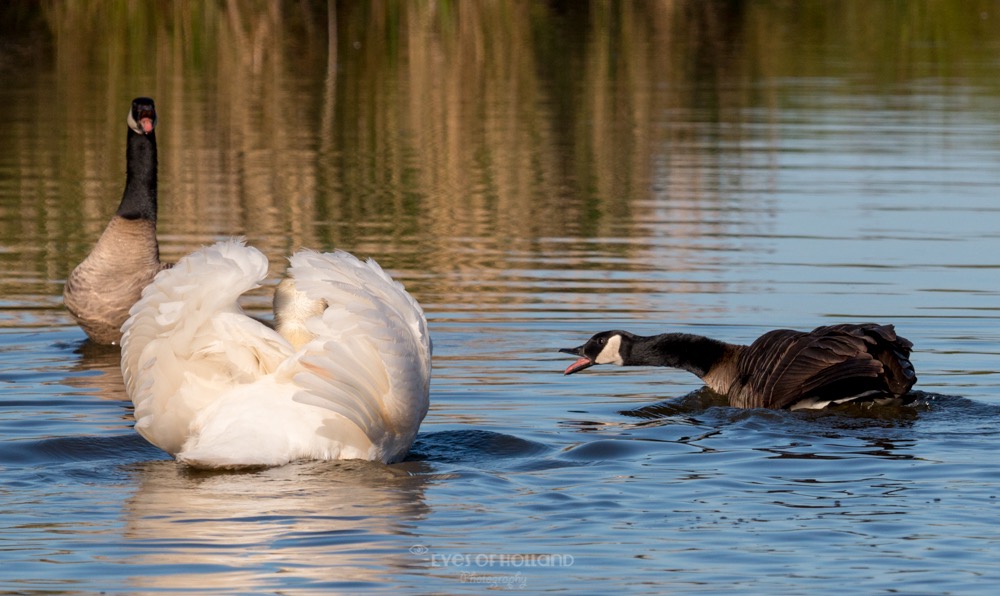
(533, 173)
(402, 129)
(98, 370)
(275, 529)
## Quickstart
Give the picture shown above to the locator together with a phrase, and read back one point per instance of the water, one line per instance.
(710, 168)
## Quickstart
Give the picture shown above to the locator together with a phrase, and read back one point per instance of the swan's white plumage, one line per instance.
(216, 388)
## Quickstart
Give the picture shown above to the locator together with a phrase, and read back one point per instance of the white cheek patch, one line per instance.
(610, 354)
(132, 123)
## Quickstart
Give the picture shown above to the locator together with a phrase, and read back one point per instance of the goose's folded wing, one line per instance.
(886, 346)
(372, 361)
(797, 364)
(187, 340)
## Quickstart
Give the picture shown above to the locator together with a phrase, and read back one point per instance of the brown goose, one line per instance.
(781, 369)
(102, 289)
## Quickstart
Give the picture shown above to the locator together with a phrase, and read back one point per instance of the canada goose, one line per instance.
(781, 369)
(101, 289)
(345, 373)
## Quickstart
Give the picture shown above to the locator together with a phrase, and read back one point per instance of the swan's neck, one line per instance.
(711, 360)
(292, 310)
(139, 198)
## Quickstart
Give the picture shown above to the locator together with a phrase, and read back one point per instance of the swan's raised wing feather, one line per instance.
(372, 361)
(187, 340)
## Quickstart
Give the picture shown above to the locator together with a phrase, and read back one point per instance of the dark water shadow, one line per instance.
(471, 449)
(704, 405)
(475, 448)
(119, 449)
(703, 420)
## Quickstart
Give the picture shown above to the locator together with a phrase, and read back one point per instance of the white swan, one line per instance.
(346, 374)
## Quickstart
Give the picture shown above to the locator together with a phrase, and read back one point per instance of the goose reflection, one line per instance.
(313, 524)
(98, 370)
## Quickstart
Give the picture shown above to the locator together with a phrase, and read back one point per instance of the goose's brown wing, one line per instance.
(783, 367)
(892, 350)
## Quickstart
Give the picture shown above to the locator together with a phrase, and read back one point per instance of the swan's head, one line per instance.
(142, 116)
(292, 309)
(603, 348)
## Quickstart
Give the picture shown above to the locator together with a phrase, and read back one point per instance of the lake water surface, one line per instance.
(533, 173)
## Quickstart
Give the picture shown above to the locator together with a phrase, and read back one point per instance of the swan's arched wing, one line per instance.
(187, 340)
(371, 361)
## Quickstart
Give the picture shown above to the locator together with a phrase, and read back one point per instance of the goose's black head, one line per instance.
(142, 116)
(603, 348)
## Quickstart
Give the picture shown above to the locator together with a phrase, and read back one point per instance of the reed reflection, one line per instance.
(444, 140)
(392, 128)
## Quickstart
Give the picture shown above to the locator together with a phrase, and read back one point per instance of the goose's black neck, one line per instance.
(693, 353)
(139, 198)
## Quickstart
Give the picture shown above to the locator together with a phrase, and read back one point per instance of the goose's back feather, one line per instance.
(786, 368)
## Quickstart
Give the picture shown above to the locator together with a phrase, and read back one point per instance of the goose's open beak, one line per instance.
(580, 364)
(147, 120)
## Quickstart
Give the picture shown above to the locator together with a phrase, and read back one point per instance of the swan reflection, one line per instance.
(345, 523)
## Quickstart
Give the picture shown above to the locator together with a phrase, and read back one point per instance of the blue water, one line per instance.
(799, 200)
